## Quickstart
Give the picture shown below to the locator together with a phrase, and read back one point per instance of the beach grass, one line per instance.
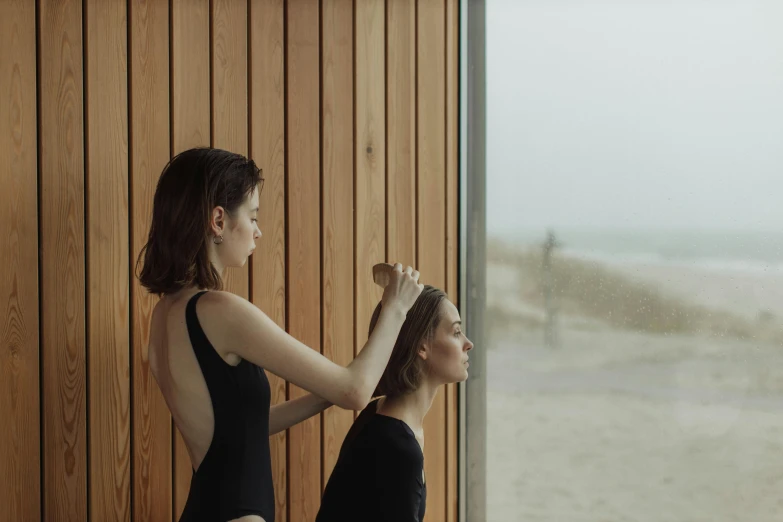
(593, 290)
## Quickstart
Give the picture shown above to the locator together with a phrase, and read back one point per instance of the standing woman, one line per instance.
(379, 474)
(208, 348)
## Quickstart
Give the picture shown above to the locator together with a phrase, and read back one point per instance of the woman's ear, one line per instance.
(218, 220)
(424, 351)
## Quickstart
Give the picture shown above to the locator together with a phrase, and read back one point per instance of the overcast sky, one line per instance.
(635, 113)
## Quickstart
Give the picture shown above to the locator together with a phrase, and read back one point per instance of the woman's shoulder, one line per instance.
(221, 298)
(394, 438)
(229, 321)
(229, 310)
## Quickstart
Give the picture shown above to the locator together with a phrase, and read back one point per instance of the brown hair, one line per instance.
(191, 185)
(405, 369)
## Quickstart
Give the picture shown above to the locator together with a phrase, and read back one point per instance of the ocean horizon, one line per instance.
(751, 252)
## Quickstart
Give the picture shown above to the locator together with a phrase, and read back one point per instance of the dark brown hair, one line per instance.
(405, 369)
(191, 185)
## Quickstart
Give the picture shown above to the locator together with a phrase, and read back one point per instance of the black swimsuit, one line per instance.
(378, 475)
(235, 477)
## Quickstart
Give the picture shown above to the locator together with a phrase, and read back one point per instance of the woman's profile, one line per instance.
(379, 473)
(208, 348)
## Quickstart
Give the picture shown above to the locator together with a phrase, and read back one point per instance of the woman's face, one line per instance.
(447, 352)
(240, 232)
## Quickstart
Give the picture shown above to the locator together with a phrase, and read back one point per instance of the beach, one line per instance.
(661, 401)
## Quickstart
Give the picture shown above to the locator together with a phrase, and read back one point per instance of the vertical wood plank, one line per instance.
(452, 148)
(370, 197)
(337, 231)
(229, 97)
(107, 259)
(190, 122)
(452, 239)
(431, 203)
(149, 79)
(191, 74)
(19, 322)
(401, 145)
(267, 148)
(304, 251)
(62, 260)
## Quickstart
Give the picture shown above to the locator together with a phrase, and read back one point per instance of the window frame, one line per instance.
(472, 395)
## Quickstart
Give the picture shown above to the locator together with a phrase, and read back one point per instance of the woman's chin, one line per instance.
(239, 263)
(236, 263)
(460, 377)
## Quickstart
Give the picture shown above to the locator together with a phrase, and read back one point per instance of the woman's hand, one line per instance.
(403, 289)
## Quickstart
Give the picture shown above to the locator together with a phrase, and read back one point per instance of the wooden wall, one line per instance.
(350, 108)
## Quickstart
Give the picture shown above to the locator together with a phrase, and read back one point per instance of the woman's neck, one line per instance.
(215, 260)
(411, 407)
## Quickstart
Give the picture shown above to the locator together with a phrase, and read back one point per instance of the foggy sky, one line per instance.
(640, 114)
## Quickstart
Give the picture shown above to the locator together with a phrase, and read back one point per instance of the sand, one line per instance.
(623, 425)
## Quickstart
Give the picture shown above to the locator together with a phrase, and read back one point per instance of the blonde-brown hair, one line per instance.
(405, 369)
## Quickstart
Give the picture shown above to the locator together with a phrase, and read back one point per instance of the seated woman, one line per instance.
(379, 474)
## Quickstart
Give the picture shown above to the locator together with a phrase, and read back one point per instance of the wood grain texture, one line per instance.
(191, 74)
(150, 149)
(366, 95)
(337, 222)
(431, 203)
(401, 124)
(19, 322)
(62, 260)
(267, 148)
(190, 126)
(107, 259)
(370, 198)
(304, 238)
(229, 97)
(452, 149)
(452, 238)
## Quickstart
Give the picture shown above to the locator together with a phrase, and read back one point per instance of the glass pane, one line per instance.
(634, 262)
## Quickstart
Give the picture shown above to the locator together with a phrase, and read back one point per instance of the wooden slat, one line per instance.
(267, 148)
(452, 148)
(304, 253)
(370, 198)
(190, 121)
(431, 202)
(190, 68)
(19, 322)
(452, 240)
(401, 124)
(62, 261)
(337, 231)
(107, 259)
(229, 97)
(149, 78)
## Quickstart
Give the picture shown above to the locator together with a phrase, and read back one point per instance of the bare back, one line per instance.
(177, 372)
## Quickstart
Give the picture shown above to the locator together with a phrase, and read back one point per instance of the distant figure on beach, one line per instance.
(550, 328)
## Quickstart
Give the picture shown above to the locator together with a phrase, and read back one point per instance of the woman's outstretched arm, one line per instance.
(284, 415)
(246, 331)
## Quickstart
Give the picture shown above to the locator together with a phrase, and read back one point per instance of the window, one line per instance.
(634, 260)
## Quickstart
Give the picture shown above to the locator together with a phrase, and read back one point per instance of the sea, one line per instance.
(750, 252)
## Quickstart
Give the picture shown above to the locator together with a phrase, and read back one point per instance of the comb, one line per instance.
(381, 274)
